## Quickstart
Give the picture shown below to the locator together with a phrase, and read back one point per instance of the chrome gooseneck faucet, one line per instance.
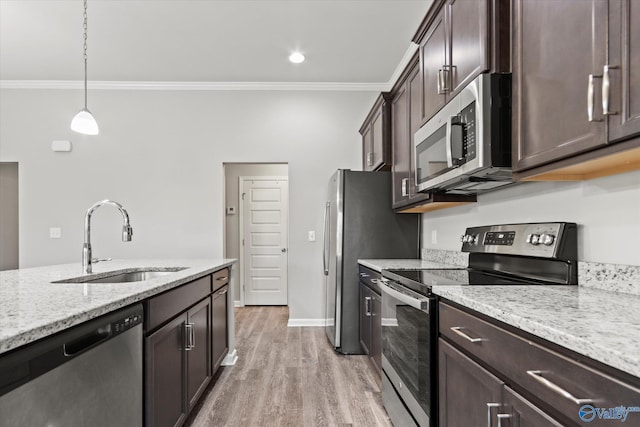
(127, 231)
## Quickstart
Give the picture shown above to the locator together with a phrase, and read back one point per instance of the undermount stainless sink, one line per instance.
(126, 277)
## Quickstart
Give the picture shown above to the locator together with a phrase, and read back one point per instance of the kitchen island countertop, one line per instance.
(600, 324)
(32, 307)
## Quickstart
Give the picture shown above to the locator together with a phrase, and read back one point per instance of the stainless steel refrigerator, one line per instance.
(359, 223)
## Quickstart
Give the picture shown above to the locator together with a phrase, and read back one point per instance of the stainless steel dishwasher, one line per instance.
(88, 375)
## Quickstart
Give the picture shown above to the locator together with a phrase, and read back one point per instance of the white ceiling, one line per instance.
(345, 41)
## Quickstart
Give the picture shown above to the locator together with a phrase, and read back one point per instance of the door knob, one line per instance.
(283, 250)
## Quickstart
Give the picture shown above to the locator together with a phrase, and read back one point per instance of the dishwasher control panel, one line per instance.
(126, 323)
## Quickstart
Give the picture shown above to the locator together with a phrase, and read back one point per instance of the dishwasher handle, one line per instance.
(93, 338)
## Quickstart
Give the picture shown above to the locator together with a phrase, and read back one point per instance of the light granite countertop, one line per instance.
(597, 323)
(32, 307)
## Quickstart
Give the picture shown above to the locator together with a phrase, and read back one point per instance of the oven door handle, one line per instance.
(407, 296)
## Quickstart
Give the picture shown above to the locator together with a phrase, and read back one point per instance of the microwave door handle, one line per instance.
(455, 140)
(448, 144)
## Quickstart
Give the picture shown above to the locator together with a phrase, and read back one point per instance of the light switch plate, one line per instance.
(434, 237)
(312, 236)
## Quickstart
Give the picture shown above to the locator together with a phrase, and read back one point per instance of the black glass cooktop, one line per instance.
(422, 280)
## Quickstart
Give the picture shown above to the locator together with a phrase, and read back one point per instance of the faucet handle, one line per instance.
(94, 260)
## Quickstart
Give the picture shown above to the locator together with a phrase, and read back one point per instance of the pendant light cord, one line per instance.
(85, 53)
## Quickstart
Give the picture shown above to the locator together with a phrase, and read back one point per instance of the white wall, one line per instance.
(607, 211)
(232, 173)
(161, 155)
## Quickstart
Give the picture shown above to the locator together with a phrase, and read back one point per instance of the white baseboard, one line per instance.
(307, 322)
(230, 359)
(237, 303)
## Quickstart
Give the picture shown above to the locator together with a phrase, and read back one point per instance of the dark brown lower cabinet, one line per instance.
(472, 396)
(371, 325)
(178, 366)
(164, 373)
(198, 372)
(467, 392)
(220, 344)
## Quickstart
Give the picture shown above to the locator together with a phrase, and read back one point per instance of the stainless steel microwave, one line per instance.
(466, 147)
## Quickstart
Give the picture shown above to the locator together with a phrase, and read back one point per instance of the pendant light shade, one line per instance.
(84, 122)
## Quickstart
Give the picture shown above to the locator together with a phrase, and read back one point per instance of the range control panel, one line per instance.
(546, 240)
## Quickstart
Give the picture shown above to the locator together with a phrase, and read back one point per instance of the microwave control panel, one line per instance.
(463, 140)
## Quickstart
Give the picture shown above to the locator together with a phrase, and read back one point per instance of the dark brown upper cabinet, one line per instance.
(406, 116)
(576, 100)
(459, 40)
(376, 136)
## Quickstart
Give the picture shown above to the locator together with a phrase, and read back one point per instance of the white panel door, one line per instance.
(265, 206)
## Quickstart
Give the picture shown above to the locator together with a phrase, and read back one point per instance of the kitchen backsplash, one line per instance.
(445, 257)
(610, 277)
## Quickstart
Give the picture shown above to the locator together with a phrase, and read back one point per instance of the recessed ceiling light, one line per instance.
(296, 57)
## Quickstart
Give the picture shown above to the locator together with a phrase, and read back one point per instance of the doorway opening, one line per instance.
(257, 230)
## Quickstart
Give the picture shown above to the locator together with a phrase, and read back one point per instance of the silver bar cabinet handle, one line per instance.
(489, 407)
(537, 375)
(188, 327)
(367, 306)
(222, 292)
(439, 83)
(591, 93)
(405, 187)
(502, 417)
(606, 90)
(221, 278)
(458, 330)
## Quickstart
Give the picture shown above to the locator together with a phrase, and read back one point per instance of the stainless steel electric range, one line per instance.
(509, 254)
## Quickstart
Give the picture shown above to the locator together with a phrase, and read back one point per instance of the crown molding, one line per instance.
(411, 50)
(194, 86)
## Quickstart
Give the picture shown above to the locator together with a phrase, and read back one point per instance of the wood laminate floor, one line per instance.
(290, 377)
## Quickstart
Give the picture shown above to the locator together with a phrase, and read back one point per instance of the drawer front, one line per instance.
(163, 307)
(220, 278)
(370, 278)
(551, 378)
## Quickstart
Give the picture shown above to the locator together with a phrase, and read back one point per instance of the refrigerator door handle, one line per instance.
(324, 239)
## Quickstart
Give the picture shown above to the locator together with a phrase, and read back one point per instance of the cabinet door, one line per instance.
(220, 309)
(467, 32)
(367, 149)
(556, 46)
(198, 352)
(415, 121)
(522, 413)
(401, 140)
(165, 371)
(624, 33)
(433, 58)
(466, 390)
(365, 319)
(376, 330)
(377, 140)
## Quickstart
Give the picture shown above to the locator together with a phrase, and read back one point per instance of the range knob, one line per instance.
(469, 238)
(533, 239)
(547, 239)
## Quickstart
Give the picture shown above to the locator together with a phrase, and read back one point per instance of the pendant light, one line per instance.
(83, 122)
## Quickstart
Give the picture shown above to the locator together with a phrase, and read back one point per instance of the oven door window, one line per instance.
(431, 156)
(408, 336)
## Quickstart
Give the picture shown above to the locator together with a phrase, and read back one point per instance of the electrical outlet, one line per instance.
(55, 232)
(312, 236)
(434, 237)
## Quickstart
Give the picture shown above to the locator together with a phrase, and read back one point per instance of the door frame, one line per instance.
(241, 215)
